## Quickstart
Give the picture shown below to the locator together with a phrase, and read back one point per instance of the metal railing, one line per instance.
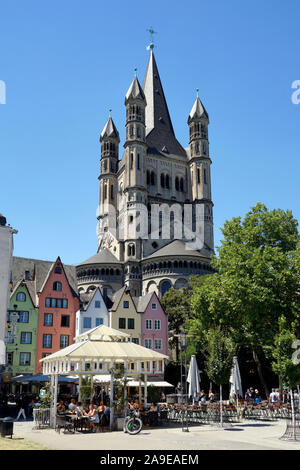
(41, 418)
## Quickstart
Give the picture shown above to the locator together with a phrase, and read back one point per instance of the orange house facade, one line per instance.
(58, 304)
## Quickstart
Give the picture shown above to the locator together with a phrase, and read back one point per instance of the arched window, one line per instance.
(162, 180)
(148, 177)
(57, 285)
(131, 250)
(167, 181)
(131, 161)
(177, 183)
(111, 192)
(105, 191)
(165, 286)
(21, 297)
(181, 184)
(152, 178)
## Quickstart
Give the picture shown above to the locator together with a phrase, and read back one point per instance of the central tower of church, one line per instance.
(155, 219)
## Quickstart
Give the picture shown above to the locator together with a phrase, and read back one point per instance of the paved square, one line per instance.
(242, 436)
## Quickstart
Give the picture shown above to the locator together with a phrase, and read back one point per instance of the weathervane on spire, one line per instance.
(197, 89)
(110, 112)
(151, 45)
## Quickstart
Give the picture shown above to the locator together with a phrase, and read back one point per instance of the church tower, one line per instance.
(200, 162)
(109, 140)
(135, 189)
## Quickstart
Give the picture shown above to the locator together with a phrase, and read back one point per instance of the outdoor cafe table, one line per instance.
(77, 421)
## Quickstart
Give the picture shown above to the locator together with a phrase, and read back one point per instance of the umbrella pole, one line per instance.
(221, 406)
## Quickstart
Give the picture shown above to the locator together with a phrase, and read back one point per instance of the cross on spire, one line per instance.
(151, 31)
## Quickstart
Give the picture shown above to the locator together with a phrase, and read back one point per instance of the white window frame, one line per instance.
(154, 306)
(157, 322)
(25, 354)
(158, 340)
(62, 343)
(147, 322)
(150, 343)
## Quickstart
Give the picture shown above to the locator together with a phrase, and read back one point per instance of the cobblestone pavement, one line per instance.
(242, 436)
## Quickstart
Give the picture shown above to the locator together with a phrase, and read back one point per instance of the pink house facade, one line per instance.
(154, 324)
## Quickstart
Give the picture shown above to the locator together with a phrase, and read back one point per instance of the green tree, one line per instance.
(46, 399)
(256, 281)
(86, 390)
(177, 305)
(282, 353)
(220, 351)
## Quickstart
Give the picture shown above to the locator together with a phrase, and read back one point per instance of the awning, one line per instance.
(135, 383)
(41, 378)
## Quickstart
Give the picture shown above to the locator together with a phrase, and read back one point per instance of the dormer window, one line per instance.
(21, 297)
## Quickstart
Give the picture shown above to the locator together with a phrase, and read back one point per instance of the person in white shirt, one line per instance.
(72, 405)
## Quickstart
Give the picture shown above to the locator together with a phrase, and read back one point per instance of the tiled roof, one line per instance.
(102, 257)
(39, 270)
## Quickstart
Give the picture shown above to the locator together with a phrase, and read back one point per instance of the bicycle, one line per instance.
(133, 424)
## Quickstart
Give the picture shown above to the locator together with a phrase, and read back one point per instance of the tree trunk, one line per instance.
(259, 371)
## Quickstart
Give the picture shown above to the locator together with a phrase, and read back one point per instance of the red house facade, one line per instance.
(58, 304)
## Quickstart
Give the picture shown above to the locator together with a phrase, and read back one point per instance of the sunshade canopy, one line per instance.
(103, 349)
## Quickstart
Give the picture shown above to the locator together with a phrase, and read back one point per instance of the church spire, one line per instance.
(159, 129)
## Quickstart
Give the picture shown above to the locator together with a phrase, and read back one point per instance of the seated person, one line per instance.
(72, 405)
(153, 407)
(61, 407)
(101, 407)
(93, 416)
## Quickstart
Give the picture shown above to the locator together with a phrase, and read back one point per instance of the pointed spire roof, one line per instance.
(109, 130)
(198, 111)
(135, 91)
(159, 129)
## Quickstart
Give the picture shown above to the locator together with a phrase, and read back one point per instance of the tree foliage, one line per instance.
(282, 354)
(256, 281)
(220, 351)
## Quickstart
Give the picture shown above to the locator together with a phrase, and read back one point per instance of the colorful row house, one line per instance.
(42, 314)
(144, 319)
(46, 313)
(22, 330)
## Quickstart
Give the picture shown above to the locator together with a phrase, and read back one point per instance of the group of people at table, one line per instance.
(99, 413)
(94, 414)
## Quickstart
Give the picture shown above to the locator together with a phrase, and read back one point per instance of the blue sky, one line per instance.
(65, 63)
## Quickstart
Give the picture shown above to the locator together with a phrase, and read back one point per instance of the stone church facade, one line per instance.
(155, 217)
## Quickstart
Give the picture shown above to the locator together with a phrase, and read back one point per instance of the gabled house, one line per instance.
(124, 316)
(22, 330)
(154, 323)
(93, 312)
(58, 305)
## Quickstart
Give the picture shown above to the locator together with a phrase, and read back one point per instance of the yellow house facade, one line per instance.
(124, 316)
